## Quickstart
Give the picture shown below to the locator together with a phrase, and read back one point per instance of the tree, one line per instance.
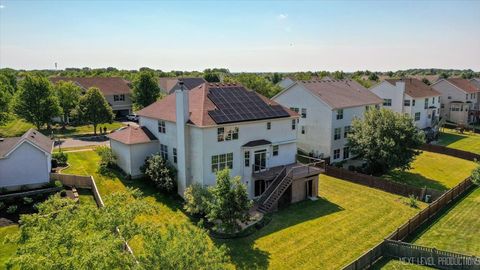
(373, 76)
(468, 75)
(444, 75)
(94, 109)
(145, 89)
(36, 101)
(475, 177)
(197, 198)
(385, 139)
(68, 95)
(276, 78)
(160, 172)
(5, 97)
(338, 75)
(259, 84)
(229, 202)
(426, 81)
(390, 74)
(211, 77)
(107, 158)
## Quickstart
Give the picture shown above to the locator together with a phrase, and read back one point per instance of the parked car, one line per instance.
(132, 117)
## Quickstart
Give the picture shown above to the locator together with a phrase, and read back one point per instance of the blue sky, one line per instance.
(241, 35)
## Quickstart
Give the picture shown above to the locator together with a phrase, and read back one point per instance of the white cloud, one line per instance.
(282, 16)
(2, 6)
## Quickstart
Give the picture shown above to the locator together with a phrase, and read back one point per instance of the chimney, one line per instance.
(182, 115)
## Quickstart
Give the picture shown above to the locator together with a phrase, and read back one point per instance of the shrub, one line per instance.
(12, 209)
(107, 158)
(27, 200)
(160, 172)
(197, 198)
(412, 201)
(475, 177)
(58, 184)
(63, 193)
(2, 205)
(61, 158)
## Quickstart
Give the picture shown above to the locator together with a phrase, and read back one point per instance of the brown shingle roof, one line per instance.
(133, 135)
(170, 84)
(464, 84)
(199, 106)
(341, 93)
(107, 85)
(33, 136)
(415, 88)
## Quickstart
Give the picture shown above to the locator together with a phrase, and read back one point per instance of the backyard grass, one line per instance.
(435, 171)
(386, 264)
(328, 233)
(17, 127)
(467, 142)
(6, 250)
(85, 196)
(458, 230)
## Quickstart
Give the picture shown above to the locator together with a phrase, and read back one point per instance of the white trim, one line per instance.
(20, 143)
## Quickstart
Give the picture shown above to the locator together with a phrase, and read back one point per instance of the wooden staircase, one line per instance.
(274, 191)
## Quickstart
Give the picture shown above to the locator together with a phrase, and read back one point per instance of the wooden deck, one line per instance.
(296, 170)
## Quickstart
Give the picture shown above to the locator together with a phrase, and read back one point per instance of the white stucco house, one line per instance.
(412, 97)
(327, 108)
(216, 126)
(459, 101)
(25, 160)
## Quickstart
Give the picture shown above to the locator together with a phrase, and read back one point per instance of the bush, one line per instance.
(475, 177)
(58, 184)
(197, 198)
(160, 172)
(107, 158)
(412, 201)
(2, 205)
(63, 193)
(27, 200)
(61, 158)
(12, 209)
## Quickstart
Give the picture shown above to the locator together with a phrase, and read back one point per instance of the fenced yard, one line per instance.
(467, 142)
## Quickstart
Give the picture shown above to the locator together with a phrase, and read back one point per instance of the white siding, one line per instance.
(138, 153)
(15, 172)
(450, 93)
(394, 92)
(122, 152)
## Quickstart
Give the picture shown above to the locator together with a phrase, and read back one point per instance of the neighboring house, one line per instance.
(25, 160)
(327, 108)
(476, 82)
(412, 97)
(116, 90)
(216, 126)
(169, 85)
(459, 101)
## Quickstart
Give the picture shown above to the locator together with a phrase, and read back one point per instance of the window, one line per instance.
(175, 155)
(449, 97)
(303, 130)
(433, 100)
(337, 134)
(406, 102)
(247, 158)
(222, 161)
(413, 103)
(346, 152)
(304, 113)
(339, 114)
(161, 126)
(387, 102)
(417, 116)
(294, 109)
(269, 125)
(294, 124)
(426, 104)
(346, 130)
(442, 105)
(275, 150)
(118, 97)
(227, 134)
(336, 154)
(164, 151)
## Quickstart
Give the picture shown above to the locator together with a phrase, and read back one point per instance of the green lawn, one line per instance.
(468, 142)
(85, 196)
(435, 171)
(386, 264)
(328, 233)
(6, 250)
(17, 127)
(458, 230)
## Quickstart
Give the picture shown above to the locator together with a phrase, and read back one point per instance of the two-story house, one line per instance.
(168, 85)
(412, 97)
(327, 108)
(217, 126)
(459, 101)
(116, 91)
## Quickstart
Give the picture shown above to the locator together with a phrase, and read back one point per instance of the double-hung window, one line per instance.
(222, 161)
(339, 114)
(294, 124)
(175, 155)
(337, 135)
(269, 125)
(247, 158)
(426, 104)
(387, 102)
(275, 150)
(227, 134)
(336, 154)
(164, 151)
(161, 126)
(346, 130)
(417, 116)
(406, 102)
(119, 97)
(304, 113)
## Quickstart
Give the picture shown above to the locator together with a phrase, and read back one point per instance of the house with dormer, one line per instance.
(215, 126)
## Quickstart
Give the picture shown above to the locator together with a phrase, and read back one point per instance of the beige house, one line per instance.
(116, 91)
(459, 100)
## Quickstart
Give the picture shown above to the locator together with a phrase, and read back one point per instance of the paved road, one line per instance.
(80, 142)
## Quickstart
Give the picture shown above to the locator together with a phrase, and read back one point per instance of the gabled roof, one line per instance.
(415, 88)
(169, 85)
(200, 105)
(107, 85)
(257, 143)
(133, 135)
(464, 85)
(36, 138)
(341, 93)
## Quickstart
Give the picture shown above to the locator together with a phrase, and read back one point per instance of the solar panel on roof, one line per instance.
(236, 104)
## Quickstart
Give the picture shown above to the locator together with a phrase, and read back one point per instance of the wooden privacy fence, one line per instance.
(382, 184)
(450, 151)
(405, 230)
(439, 259)
(79, 181)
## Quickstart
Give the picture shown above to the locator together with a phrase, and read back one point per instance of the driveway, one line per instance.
(81, 142)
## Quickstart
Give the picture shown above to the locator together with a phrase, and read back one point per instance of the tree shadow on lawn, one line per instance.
(243, 252)
(446, 139)
(414, 179)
